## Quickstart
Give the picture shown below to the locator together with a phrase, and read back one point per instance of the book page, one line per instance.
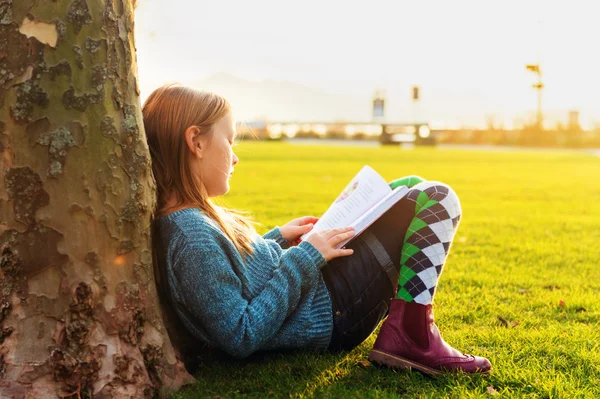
(364, 191)
(369, 217)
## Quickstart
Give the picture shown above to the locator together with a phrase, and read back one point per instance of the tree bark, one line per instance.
(79, 311)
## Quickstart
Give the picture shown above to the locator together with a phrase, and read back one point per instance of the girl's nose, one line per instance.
(235, 160)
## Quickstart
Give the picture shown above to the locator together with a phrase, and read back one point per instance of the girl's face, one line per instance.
(218, 159)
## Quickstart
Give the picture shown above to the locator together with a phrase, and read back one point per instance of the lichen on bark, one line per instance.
(74, 363)
(78, 56)
(62, 68)
(79, 14)
(25, 188)
(29, 94)
(80, 102)
(92, 45)
(59, 141)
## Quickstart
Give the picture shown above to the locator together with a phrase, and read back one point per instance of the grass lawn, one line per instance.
(521, 286)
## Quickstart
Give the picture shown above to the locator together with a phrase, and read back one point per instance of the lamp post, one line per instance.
(536, 68)
(539, 86)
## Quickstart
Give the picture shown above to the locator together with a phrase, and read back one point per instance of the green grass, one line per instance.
(529, 239)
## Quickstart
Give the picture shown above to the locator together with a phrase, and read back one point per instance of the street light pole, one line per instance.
(539, 86)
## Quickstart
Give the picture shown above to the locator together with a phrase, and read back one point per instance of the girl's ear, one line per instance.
(193, 141)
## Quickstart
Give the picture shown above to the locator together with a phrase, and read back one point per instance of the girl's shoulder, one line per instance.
(188, 222)
(183, 213)
(185, 218)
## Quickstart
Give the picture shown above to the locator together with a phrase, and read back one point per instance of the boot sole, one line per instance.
(396, 362)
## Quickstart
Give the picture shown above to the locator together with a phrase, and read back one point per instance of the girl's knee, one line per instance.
(409, 181)
(441, 193)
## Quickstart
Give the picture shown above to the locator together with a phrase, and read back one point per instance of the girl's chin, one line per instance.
(218, 193)
(226, 189)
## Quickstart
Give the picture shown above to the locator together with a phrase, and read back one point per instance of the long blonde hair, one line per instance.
(168, 112)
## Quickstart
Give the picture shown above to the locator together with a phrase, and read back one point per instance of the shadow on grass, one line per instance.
(301, 374)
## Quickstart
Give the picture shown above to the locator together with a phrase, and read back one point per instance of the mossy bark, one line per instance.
(79, 312)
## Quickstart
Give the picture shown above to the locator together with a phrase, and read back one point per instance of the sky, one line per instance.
(468, 56)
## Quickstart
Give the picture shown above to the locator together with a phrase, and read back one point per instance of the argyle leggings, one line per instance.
(415, 235)
(428, 237)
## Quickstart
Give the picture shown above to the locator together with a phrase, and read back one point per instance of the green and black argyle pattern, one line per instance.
(427, 240)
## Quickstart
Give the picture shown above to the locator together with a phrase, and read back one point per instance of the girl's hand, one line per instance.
(293, 230)
(326, 240)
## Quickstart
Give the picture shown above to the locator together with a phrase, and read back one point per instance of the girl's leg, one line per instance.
(409, 337)
(427, 241)
(362, 285)
(409, 181)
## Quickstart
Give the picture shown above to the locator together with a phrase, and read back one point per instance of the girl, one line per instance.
(239, 292)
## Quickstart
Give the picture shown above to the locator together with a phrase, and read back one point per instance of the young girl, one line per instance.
(239, 292)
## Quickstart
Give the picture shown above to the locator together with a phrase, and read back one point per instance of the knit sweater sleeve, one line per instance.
(275, 234)
(212, 293)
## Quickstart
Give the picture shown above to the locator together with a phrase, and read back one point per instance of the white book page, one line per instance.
(365, 190)
(376, 212)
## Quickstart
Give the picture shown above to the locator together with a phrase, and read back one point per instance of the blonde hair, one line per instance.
(168, 112)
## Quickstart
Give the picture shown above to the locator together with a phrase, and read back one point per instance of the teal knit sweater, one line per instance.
(277, 299)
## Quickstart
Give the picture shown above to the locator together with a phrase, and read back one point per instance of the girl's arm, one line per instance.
(275, 234)
(212, 294)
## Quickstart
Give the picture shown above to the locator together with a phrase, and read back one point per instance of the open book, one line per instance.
(364, 200)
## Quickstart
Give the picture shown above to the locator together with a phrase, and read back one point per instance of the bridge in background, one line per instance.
(386, 133)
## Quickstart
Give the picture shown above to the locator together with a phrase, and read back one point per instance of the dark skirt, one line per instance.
(362, 285)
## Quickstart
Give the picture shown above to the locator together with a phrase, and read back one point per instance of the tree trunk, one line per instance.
(79, 311)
